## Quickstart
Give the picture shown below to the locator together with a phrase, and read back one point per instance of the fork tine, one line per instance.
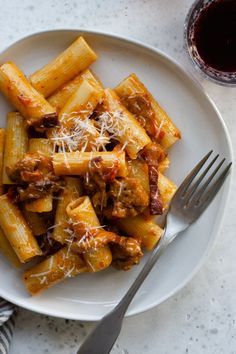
(203, 188)
(199, 180)
(212, 191)
(187, 181)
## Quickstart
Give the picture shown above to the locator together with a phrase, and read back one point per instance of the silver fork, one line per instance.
(191, 199)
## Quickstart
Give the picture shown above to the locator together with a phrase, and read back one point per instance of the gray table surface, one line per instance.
(201, 317)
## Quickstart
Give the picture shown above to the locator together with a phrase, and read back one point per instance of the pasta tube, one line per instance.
(98, 259)
(54, 269)
(2, 138)
(67, 65)
(139, 101)
(139, 169)
(77, 131)
(17, 230)
(164, 165)
(122, 125)
(82, 214)
(16, 141)
(82, 102)
(145, 230)
(29, 102)
(77, 163)
(41, 146)
(44, 204)
(7, 250)
(72, 191)
(167, 189)
(59, 98)
(84, 220)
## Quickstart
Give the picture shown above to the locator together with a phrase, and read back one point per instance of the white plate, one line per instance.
(90, 296)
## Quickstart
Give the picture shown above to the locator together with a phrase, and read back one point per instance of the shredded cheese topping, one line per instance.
(74, 134)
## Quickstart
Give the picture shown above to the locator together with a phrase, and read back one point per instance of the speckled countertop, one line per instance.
(201, 317)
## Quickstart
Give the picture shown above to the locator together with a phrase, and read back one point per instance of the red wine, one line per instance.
(215, 35)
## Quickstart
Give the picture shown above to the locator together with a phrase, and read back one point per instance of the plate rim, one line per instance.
(129, 40)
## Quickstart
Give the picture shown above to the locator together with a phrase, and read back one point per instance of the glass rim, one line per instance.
(223, 78)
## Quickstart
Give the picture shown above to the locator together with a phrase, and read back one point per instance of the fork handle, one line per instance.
(103, 337)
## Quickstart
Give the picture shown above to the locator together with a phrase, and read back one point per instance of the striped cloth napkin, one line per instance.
(7, 323)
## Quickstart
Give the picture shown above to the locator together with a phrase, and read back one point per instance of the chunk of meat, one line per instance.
(114, 197)
(35, 176)
(124, 197)
(154, 153)
(101, 172)
(127, 250)
(30, 169)
(128, 196)
(99, 175)
(47, 121)
(122, 260)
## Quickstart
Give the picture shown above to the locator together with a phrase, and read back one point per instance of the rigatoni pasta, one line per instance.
(74, 59)
(29, 102)
(122, 125)
(7, 250)
(42, 147)
(82, 102)
(17, 231)
(72, 191)
(164, 164)
(85, 221)
(54, 269)
(64, 92)
(81, 211)
(74, 117)
(138, 100)
(16, 140)
(80, 195)
(77, 163)
(144, 229)
(2, 139)
(167, 189)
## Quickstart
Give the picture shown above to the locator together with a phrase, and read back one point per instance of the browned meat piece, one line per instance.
(100, 203)
(36, 190)
(128, 196)
(96, 238)
(154, 153)
(125, 197)
(30, 169)
(113, 197)
(47, 121)
(99, 175)
(127, 250)
(122, 260)
(103, 174)
(35, 175)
